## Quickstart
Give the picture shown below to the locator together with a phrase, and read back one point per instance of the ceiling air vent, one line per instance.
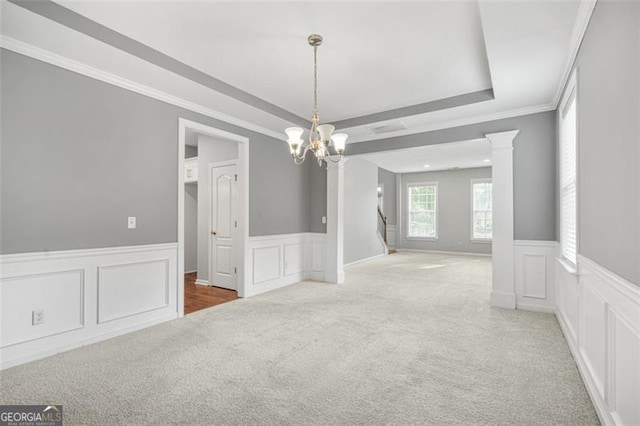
(391, 127)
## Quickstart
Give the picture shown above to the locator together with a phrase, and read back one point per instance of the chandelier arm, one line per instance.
(299, 159)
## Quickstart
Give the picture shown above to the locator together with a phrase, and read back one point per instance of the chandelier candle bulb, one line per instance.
(325, 130)
(339, 142)
(320, 136)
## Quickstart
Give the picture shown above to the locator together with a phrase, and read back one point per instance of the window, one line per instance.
(422, 210)
(568, 182)
(481, 215)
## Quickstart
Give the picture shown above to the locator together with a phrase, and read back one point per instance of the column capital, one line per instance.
(502, 139)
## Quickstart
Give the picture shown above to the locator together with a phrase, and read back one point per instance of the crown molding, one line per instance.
(457, 123)
(585, 11)
(97, 74)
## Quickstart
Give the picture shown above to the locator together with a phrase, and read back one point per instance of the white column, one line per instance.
(334, 254)
(503, 291)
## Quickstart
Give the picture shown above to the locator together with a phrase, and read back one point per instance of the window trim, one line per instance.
(408, 212)
(471, 210)
(570, 93)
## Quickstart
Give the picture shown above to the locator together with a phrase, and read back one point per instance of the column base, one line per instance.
(503, 300)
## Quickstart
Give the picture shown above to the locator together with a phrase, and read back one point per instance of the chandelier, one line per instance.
(321, 136)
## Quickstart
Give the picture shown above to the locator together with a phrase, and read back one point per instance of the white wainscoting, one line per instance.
(535, 275)
(599, 313)
(391, 236)
(280, 260)
(86, 296)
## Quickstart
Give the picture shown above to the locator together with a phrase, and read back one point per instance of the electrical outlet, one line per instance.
(324, 220)
(131, 222)
(37, 317)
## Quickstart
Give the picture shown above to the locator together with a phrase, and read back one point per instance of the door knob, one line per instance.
(213, 232)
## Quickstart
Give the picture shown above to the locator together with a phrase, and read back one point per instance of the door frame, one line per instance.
(243, 202)
(212, 166)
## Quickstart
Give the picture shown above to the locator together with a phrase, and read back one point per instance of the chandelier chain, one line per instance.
(315, 80)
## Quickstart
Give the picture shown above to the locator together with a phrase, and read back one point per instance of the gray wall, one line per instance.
(190, 151)
(190, 227)
(389, 201)
(210, 150)
(534, 165)
(608, 66)
(78, 156)
(454, 211)
(360, 210)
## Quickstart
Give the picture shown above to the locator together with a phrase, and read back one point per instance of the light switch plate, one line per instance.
(131, 222)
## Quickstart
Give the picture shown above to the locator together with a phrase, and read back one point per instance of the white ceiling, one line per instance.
(377, 56)
(445, 156)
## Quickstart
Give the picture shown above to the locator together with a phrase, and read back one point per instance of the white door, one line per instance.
(223, 226)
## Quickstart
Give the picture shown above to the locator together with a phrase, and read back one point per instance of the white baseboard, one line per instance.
(281, 260)
(86, 295)
(452, 253)
(599, 314)
(191, 272)
(503, 300)
(202, 282)
(377, 256)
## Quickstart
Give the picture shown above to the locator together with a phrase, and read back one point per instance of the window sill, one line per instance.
(481, 241)
(568, 266)
(422, 238)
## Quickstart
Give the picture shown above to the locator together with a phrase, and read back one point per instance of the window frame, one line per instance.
(472, 211)
(570, 94)
(408, 213)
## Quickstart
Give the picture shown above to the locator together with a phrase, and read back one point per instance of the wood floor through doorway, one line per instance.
(198, 296)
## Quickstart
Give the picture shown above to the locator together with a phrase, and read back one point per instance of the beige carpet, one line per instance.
(408, 339)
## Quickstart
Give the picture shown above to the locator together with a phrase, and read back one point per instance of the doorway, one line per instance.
(212, 242)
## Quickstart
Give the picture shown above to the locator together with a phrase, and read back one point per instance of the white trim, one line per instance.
(97, 74)
(391, 236)
(503, 286)
(535, 278)
(461, 253)
(536, 243)
(33, 270)
(453, 123)
(280, 260)
(407, 185)
(202, 282)
(599, 315)
(72, 254)
(366, 259)
(598, 403)
(243, 202)
(334, 244)
(585, 10)
(570, 92)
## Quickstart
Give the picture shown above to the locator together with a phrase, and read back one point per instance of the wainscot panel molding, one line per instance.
(535, 275)
(280, 260)
(84, 295)
(599, 313)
